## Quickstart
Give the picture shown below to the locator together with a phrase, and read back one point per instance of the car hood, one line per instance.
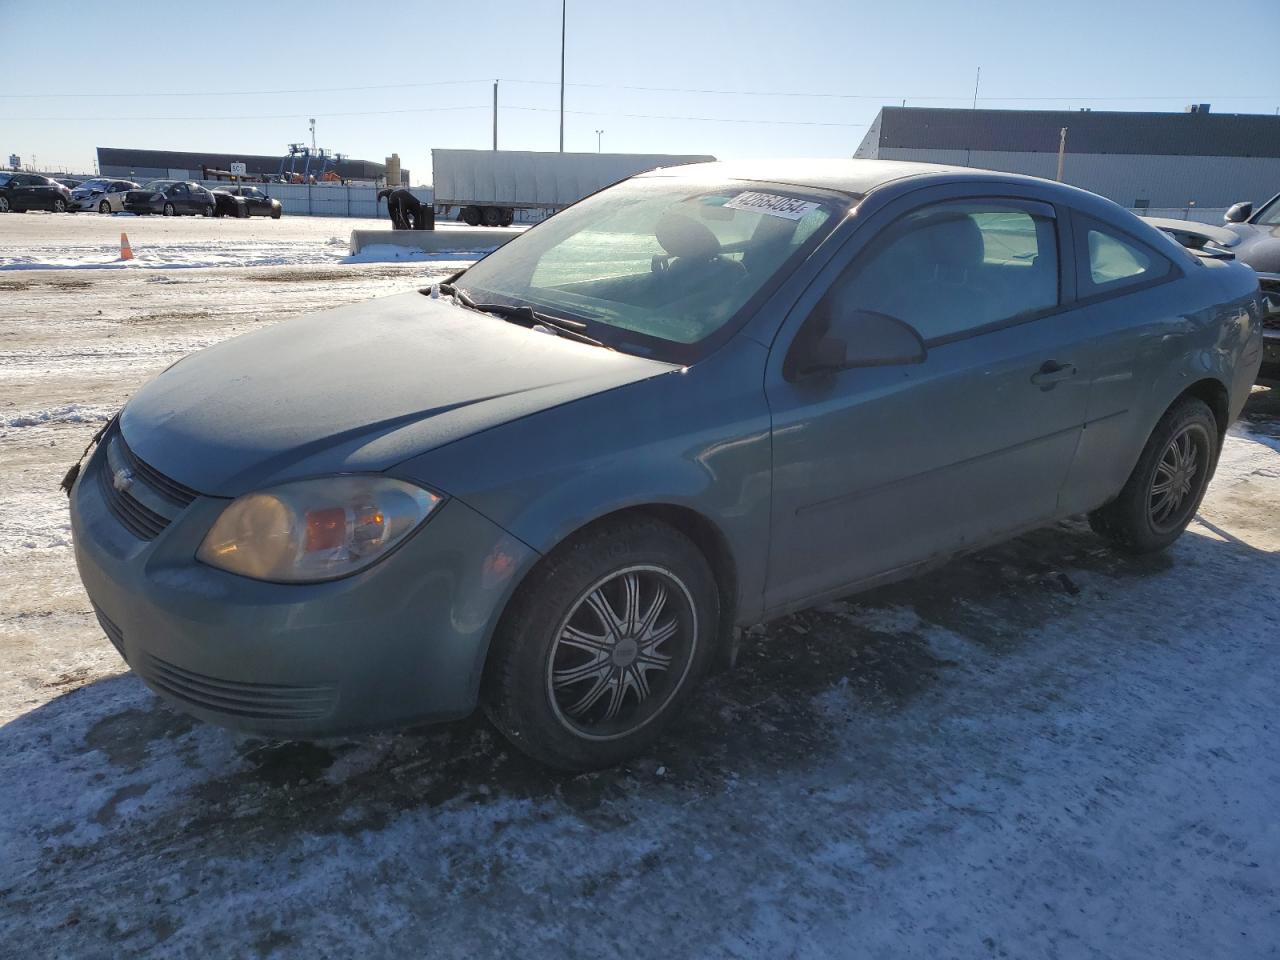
(358, 388)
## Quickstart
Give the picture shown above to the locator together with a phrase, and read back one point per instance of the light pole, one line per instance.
(599, 134)
(563, 13)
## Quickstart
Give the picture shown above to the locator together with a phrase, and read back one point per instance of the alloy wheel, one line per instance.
(622, 653)
(4, 204)
(1178, 478)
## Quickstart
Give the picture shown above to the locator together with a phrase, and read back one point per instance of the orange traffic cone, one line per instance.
(126, 251)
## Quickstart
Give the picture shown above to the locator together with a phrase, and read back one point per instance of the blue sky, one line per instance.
(207, 78)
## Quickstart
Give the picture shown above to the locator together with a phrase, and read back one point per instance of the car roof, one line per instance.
(859, 177)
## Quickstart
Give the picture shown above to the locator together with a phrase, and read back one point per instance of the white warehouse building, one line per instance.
(1195, 163)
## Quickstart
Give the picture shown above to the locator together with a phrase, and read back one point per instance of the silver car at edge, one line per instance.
(558, 484)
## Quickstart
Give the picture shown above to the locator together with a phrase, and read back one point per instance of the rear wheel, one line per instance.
(471, 216)
(104, 207)
(4, 205)
(1165, 488)
(275, 213)
(492, 216)
(168, 210)
(602, 645)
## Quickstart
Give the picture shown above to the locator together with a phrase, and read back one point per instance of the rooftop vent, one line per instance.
(1197, 108)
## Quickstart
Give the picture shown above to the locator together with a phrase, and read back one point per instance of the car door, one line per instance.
(21, 191)
(180, 196)
(893, 461)
(1134, 319)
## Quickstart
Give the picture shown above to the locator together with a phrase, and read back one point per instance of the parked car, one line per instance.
(30, 191)
(172, 198)
(227, 204)
(104, 194)
(698, 399)
(1253, 239)
(257, 203)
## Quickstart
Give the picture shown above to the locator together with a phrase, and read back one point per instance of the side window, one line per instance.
(955, 267)
(1107, 260)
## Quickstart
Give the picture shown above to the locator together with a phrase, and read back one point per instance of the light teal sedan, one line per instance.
(558, 484)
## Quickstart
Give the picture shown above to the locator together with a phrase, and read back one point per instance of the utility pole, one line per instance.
(495, 114)
(599, 134)
(975, 88)
(563, 13)
(1062, 150)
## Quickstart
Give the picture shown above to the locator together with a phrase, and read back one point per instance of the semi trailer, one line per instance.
(487, 187)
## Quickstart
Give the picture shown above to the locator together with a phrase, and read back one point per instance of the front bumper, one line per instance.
(141, 206)
(84, 203)
(401, 642)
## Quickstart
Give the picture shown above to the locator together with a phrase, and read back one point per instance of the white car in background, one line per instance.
(104, 194)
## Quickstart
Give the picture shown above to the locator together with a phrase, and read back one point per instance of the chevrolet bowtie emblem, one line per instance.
(122, 479)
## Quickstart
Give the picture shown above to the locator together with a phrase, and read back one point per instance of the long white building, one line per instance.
(1196, 160)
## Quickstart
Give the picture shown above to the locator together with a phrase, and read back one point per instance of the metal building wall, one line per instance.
(1163, 181)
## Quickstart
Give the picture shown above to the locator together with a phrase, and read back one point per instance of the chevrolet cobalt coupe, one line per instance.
(558, 483)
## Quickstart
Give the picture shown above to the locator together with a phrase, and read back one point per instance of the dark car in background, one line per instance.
(30, 191)
(257, 203)
(104, 194)
(171, 198)
(696, 400)
(226, 204)
(1253, 238)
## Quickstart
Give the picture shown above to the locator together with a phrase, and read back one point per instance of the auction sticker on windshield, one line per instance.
(789, 208)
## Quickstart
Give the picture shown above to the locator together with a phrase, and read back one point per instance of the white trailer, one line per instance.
(489, 186)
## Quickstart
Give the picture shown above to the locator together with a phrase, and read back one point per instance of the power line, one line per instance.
(1198, 97)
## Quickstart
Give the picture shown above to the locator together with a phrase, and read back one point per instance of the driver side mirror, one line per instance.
(857, 338)
(1238, 212)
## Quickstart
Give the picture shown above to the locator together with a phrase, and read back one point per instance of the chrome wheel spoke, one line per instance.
(608, 617)
(590, 642)
(638, 681)
(592, 669)
(617, 693)
(588, 700)
(630, 602)
(659, 635)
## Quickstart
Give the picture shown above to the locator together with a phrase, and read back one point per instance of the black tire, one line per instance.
(492, 216)
(59, 205)
(4, 205)
(206, 210)
(1144, 519)
(242, 211)
(471, 216)
(104, 207)
(544, 628)
(508, 217)
(275, 213)
(169, 210)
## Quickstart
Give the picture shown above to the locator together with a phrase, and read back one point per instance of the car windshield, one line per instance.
(95, 184)
(1270, 215)
(157, 185)
(657, 265)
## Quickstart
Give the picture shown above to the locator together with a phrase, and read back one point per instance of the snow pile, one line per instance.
(67, 413)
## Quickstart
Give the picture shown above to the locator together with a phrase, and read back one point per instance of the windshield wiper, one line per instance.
(524, 316)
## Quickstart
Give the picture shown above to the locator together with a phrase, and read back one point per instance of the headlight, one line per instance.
(315, 530)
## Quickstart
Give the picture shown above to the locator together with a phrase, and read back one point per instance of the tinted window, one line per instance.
(955, 267)
(1111, 261)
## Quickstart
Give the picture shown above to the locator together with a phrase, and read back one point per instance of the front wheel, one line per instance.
(1165, 488)
(602, 645)
(206, 210)
(104, 207)
(59, 205)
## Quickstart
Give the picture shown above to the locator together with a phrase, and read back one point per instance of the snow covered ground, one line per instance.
(1043, 751)
(90, 241)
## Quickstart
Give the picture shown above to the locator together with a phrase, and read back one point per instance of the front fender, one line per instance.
(696, 438)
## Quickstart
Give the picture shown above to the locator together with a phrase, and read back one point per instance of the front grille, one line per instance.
(258, 701)
(114, 633)
(142, 498)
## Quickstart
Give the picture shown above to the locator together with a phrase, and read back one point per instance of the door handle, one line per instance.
(1051, 371)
